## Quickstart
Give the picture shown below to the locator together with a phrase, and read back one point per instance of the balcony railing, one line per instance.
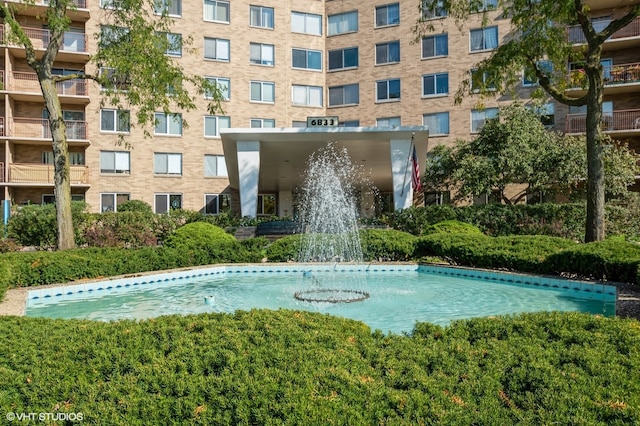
(628, 120)
(28, 82)
(613, 75)
(44, 173)
(80, 4)
(39, 128)
(2, 132)
(40, 38)
(1, 172)
(576, 36)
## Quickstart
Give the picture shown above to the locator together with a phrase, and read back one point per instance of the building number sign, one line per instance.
(322, 121)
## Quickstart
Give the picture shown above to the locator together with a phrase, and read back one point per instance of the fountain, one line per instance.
(329, 218)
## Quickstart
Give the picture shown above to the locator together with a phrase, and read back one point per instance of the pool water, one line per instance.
(397, 300)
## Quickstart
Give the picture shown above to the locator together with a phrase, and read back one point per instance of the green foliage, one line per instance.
(452, 227)
(8, 245)
(285, 249)
(301, 368)
(256, 245)
(135, 206)
(526, 253)
(197, 235)
(35, 225)
(386, 245)
(127, 229)
(611, 259)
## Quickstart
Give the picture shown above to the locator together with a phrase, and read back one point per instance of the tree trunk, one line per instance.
(595, 226)
(62, 183)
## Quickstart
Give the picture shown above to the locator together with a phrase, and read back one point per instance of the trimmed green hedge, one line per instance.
(300, 368)
(386, 245)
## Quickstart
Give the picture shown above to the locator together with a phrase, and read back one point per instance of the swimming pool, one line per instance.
(400, 295)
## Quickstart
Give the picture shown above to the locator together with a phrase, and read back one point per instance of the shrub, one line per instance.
(130, 229)
(452, 227)
(386, 244)
(135, 206)
(197, 235)
(285, 249)
(8, 245)
(257, 245)
(35, 225)
(611, 259)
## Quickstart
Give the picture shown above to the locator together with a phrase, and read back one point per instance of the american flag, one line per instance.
(415, 171)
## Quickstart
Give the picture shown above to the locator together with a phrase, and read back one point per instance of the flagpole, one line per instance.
(406, 165)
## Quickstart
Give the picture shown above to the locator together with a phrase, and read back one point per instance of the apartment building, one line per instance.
(279, 64)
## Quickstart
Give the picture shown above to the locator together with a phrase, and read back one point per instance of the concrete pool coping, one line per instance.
(16, 300)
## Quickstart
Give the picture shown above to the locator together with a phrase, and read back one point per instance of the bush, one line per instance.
(128, 229)
(135, 206)
(611, 259)
(286, 249)
(8, 245)
(198, 235)
(36, 225)
(386, 245)
(452, 227)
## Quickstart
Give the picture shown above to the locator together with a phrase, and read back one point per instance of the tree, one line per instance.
(516, 148)
(130, 65)
(539, 44)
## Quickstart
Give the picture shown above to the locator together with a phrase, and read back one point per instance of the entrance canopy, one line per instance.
(273, 160)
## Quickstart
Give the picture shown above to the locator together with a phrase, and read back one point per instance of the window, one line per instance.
(387, 53)
(168, 124)
(216, 48)
(437, 198)
(546, 112)
(216, 203)
(481, 81)
(438, 11)
(75, 158)
(343, 23)
(116, 162)
(486, 5)
(167, 163)
(262, 91)
(479, 117)
(435, 46)
(344, 95)
(530, 79)
(306, 23)
(388, 15)
(114, 120)
(174, 44)
(111, 35)
(306, 59)
(483, 39)
(216, 10)
(215, 166)
(261, 17)
(104, 4)
(435, 84)
(343, 58)
(261, 54)
(223, 85)
(257, 123)
(170, 7)
(306, 95)
(387, 90)
(298, 124)
(349, 123)
(392, 122)
(438, 123)
(114, 80)
(109, 201)
(266, 204)
(50, 198)
(213, 124)
(166, 202)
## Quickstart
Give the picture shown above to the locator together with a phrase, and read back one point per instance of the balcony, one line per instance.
(632, 30)
(620, 123)
(31, 173)
(26, 87)
(619, 78)
(38, 128)
(73, 43)
(38, 8)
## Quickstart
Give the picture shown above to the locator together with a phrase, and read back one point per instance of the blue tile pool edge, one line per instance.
(580, 289)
